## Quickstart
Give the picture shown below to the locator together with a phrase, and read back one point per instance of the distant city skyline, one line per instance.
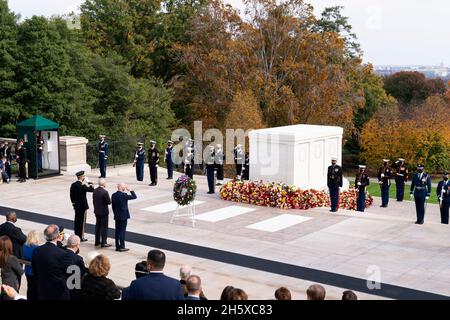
(391, 32)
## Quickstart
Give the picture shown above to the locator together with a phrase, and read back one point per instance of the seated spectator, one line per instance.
(140, 269)
(95, 285)
(316, 292)
(185, 272)
(155, 285)
(28, 249)
(283, 294)
(3, 172)
(225, 296)
(238, 294)
(14, 233)
(349, 295)
(194, 287)
(10, 266)
(73, 248)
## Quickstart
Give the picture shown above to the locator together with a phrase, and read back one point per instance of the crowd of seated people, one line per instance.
(50, 268)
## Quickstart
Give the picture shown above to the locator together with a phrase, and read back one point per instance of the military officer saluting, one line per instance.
(443, 193)
(210, 167)
(401, 177)
(103, 151)
(361, 182)
(420, 190)
(78, 191)
(189, 159)
(139, 161)
(153, 160)
(219, 159)
(384, 179)
(334, 182)
(239, 160)
(169, 160)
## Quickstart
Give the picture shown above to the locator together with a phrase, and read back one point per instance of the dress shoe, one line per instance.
(107, 245)
(418, 222)
(209, 192)
(169, 178)
(124, 249)
(97, 244)
(83, 240)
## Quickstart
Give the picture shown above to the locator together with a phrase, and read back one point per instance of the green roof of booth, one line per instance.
(38, 123)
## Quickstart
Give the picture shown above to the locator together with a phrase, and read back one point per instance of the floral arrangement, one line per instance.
(282, 196)
(184, 190)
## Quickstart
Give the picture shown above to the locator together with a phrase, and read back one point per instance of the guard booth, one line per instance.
(41, 139)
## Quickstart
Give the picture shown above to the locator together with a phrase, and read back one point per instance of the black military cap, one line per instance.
(446, 173)
(61, 229)
(79, 173)
(420, 165)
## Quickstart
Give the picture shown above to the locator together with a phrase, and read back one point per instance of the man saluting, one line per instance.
(78, 192)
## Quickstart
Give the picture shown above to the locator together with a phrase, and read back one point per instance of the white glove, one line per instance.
(411, 196)
(426, 198)
(359, 183)
(156, 166)
(382, 175)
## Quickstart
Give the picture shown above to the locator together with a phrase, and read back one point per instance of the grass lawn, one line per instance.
(374, 190)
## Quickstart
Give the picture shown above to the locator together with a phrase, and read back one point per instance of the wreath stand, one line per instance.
(190, 213)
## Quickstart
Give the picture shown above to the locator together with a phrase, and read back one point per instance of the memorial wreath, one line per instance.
(184, 190)
(283, 196)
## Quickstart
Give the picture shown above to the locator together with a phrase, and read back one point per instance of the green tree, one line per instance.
(9, 111)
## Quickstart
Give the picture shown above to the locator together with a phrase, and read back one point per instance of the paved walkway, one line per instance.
(347, 244)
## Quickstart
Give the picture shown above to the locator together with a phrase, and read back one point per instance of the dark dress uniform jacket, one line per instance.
(334, 176)
(78, 197)
(101, 201)
(50, 265)
(16, 235)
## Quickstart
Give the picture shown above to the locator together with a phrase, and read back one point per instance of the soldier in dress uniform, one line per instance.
(6, 152)
(420, 190)
(220, 158)
(168, 159)
(384, 179)
(153, 161)
(246, 169)
(22, 159)
(210, 168)
(443, 193)
(189, 162)
(78, 191)
(239, 160)
(401, 177)
(334, 182)
(39, 150)
(361, 182)
(139, 161)
(103, 152)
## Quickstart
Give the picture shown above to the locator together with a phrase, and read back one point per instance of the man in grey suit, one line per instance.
(101, 201)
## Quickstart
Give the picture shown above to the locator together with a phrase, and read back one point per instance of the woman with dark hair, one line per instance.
(238, 294)
(10, 267)
(225, 296)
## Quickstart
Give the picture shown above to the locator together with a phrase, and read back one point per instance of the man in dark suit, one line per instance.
(443, 193)
(50, 265)
(78, 192)
(119, 201)
(101, 202)
(22, 159)
(194, 288)
(73, 248)
(155, 285)
(16, 235)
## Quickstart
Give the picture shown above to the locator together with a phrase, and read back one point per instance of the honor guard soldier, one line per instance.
(153, 161)
(189, 162)
(401, 177)
(210, 168)
(5, 151)
(139, 161)
(220, 158)
(103, 152)
(80, 205)
(334, 182)
(169, 160)
(384, 179)
(420, 190)
(443, 193)
(40, 150)
(239, 160)
(361, 182)
(246, 169)
(22, 159)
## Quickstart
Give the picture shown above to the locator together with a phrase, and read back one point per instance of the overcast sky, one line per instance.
(395, 32)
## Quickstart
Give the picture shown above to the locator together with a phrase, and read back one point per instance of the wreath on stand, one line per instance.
(184, 190)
